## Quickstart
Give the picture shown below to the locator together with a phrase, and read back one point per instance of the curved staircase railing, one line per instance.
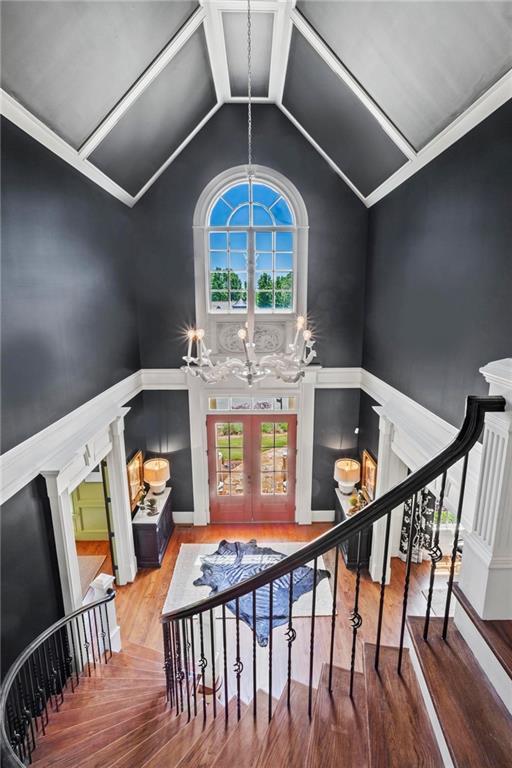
(185, 635)
(55, 661)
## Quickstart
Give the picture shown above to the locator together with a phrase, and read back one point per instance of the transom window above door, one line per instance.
(251, 241)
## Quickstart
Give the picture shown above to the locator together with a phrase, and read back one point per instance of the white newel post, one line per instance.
(486, 573)
(390, 472)
(120, 504)
(100, 586)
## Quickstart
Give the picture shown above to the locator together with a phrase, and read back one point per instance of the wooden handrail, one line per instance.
(476, 408)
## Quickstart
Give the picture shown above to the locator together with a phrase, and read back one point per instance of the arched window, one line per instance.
(251, 249)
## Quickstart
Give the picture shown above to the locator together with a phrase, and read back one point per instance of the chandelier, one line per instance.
(287, 366)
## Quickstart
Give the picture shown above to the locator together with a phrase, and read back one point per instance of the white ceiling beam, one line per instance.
(488, 103)
(325, 156)
(140, 85)
(281, 39)
(216, 44)
(25, 120)
(337, 67)
(245, 99)
(176, 152)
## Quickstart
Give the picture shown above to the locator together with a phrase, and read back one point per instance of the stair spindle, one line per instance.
(383, 580)
(355, 617)
(312, 639)
(435, 555)
(455, 545)
(333, 615)
(406, 583)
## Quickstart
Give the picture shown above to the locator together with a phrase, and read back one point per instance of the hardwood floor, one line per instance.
(139, 604)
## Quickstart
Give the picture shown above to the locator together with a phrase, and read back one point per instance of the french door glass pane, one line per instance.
(274, 458)
(229, 458)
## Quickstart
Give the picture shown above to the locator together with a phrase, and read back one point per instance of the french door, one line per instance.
(251, 468)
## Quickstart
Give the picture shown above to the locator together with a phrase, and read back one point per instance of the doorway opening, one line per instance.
(92, 526)
(251, 467)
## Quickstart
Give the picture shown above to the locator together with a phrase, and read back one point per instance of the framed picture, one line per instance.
(369, 476)
(134, 469)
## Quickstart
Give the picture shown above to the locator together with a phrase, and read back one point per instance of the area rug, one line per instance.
(89, 565)
(205, 569)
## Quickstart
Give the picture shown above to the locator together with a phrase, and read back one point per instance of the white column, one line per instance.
(305, 428)
(100, 586)
(198, 452)
(62, 519)
(486, 573)
(120, 504)
(390, 472)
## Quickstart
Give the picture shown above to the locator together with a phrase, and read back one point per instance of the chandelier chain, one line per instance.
(249, 87)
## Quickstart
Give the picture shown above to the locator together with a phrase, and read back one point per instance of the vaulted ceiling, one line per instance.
(379, 88)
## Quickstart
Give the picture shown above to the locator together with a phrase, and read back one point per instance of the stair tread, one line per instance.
(339, 723)
(170, 754)
(246, 736)
(287, 735)
(476, 724)
(83, 698)
(182, 737)
(74, 717)
(211, 741)
(67, 751)
(125, 660)
(400, 732)
(496, 633)
(144, 651)
(128, 743)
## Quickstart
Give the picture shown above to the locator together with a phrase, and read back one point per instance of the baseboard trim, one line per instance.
(322, 516)
(183, 518)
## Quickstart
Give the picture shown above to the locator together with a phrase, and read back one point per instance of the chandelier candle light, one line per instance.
(287, 366)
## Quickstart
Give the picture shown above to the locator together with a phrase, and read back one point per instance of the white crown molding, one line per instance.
(488, 103)
(281, 39)
(144, 81)
(20, 116)
(316, 42)
(27, 459)
(321, 152)
(216, 44)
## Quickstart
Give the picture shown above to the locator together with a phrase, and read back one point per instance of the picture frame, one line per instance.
(135, 473)
(368, 476)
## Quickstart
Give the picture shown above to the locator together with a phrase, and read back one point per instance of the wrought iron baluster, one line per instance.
(91, 638)
(254, 681)
(103, 635)
(107, 622)
(98, 649)
(225, 661)
(18, 732)
(355, 617)
(238, 666)
(383, 580)
(39, 698)
(165, 635)
(26, 715)
(333, 617)
(406, 583)
(185, 658)
(312, 639)
(181, 674)
(47, 676)
(63, 662)
(203, 663)
(455, 545)
(175, 667)
(76, 626)
(53, 674)
(31, 692)
(435, 555)
(69, 656)
(86, 646)
(212, 642)
(290, 635)
(193, 649)
(270, 645)
(42, 690)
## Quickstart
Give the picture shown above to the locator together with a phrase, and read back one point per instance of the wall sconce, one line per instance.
(347, 472)
(156, 473)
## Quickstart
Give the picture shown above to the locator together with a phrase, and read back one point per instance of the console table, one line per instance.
(151, 533)
(342, 511)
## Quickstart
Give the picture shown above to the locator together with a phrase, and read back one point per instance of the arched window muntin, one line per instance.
(251, 249)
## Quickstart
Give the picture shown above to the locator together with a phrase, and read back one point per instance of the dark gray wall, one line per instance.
(336, 417)
(68, 316)
(368, 437)
(31, 593)
(158, 423)
(337, 236)
(439, 276)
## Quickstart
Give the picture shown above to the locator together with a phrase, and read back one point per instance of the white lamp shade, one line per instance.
(347, 472)
(156, 473)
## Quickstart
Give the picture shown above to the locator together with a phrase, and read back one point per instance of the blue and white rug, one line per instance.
(204, 569)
